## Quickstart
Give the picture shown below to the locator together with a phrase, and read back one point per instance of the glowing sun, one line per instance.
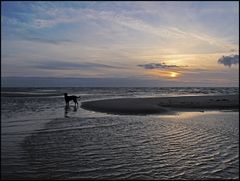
(173, 74)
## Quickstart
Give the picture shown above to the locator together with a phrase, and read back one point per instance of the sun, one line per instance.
(173, 74)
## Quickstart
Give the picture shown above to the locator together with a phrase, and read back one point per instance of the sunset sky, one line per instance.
(171, 43)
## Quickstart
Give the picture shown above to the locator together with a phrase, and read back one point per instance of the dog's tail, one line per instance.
(78, 96)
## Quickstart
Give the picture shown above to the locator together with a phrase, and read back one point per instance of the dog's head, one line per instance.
(65, 94)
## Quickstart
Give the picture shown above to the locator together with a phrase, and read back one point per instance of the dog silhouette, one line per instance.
(71, 98)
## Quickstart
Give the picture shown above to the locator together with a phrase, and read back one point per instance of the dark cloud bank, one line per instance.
(229, 60)
(80, 82)
(57, 65)
(101, 82)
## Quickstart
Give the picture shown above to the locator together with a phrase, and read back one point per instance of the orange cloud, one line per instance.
(164, 73)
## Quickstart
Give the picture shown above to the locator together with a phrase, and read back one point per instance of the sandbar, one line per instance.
(163, 105)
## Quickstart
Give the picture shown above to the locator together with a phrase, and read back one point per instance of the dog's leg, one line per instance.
(76, 103)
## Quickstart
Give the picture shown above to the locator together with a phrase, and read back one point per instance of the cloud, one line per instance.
(57, 65)
(229, 60)
(48, 15)
(159, 66)
(49, 41)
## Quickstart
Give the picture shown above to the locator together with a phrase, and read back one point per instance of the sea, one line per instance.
(42, 139)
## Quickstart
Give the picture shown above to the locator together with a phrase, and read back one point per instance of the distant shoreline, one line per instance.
(13, 94)
(163, 105)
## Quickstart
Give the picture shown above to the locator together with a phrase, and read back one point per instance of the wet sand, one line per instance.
(163, 105)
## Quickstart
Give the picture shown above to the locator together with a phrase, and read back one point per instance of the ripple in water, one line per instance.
(133, 147)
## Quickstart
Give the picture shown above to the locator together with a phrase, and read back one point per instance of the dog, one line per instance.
(70, 98)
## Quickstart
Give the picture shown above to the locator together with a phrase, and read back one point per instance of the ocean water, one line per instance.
(41, 139)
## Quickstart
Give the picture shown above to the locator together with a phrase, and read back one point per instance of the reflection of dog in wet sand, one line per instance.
(70, 98)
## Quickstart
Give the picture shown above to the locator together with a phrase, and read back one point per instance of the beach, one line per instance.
(163, 104)
(42, 139)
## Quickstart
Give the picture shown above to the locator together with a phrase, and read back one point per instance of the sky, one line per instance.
(158, 43)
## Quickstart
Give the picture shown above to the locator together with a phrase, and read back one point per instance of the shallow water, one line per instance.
(43, 140)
